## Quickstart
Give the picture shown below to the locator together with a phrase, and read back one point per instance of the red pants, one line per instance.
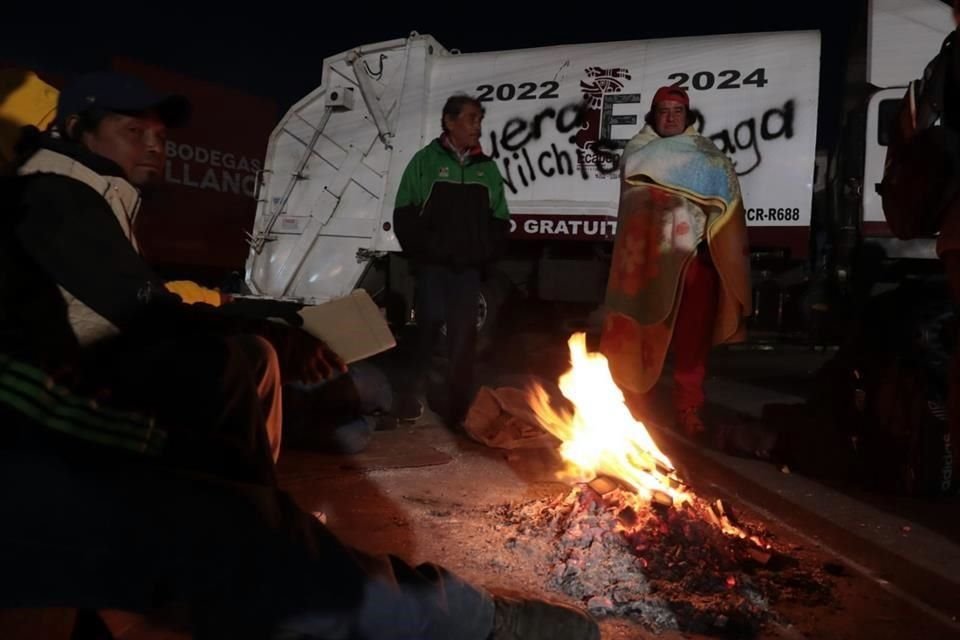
(693, 331)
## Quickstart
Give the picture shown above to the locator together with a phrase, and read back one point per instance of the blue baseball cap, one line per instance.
(121, 93)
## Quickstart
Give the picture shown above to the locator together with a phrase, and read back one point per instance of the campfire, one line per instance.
(631, 538)
(602, 438)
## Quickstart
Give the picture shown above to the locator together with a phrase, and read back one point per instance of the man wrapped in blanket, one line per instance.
(680, 274)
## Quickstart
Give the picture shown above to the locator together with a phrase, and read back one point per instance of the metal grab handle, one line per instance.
(261, 238)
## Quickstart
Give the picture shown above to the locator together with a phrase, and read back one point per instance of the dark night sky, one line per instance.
(278, 52)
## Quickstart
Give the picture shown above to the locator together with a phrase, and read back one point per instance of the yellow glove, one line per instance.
(192, 293)
(27, 100)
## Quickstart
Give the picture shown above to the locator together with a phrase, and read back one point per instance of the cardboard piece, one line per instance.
(352, 326)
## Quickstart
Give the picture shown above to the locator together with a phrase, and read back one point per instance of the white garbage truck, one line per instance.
(556, 120)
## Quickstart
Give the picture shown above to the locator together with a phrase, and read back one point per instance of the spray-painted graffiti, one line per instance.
(593, 152)
(742, 141)
(602, 124)
(520, 167)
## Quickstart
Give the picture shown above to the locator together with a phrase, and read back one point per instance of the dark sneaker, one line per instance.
(384, 421)
(521, 618)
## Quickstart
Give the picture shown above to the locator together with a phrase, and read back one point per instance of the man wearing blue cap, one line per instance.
(119, 118)
(78, 195)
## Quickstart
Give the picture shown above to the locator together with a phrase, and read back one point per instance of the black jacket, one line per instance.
(62, 233)
(451, 211)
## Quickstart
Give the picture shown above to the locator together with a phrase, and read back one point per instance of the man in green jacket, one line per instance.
(452, 220)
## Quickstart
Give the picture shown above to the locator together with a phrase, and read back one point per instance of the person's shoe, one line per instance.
(689, 422)
(383, 421)
(517, 617)
(407, 407)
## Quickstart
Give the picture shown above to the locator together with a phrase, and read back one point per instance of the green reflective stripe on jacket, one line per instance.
(32, 393)
(434, 164)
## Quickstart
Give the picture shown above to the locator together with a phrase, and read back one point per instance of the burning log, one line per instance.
(659, 497)
(604, 485)
(760, 557)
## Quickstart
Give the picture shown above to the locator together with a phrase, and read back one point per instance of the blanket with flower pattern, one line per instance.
(674, 193)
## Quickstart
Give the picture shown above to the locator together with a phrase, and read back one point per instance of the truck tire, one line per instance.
(494, 291)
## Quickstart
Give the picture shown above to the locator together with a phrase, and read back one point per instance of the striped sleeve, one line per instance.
(32, 393)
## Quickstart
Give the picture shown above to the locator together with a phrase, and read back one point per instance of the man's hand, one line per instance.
(303, 358)
(316, 363)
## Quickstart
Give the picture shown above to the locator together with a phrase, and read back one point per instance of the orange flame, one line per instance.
(601, 436)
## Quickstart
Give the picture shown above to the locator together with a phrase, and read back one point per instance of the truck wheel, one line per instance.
(493, 296)
(494, 291)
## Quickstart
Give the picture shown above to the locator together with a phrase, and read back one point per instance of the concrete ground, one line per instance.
(426, 493)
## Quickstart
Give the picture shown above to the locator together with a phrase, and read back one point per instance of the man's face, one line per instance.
(464, 130)
(669, 118)
(136, 143)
